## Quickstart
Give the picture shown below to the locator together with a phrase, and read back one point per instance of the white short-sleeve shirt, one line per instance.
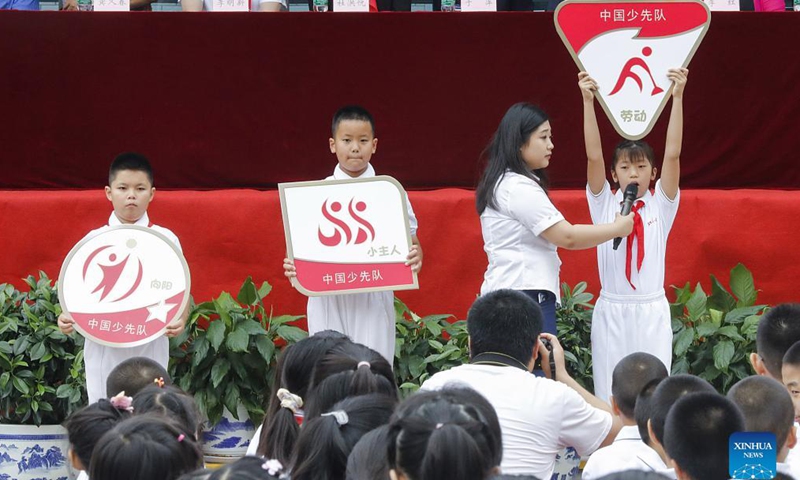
(538, 416)
(658, 215)
(519, 257)
(628, 452)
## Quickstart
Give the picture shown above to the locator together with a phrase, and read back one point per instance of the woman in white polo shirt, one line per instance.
(521, 227)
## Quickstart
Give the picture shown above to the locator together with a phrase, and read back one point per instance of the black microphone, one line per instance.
(627, 203)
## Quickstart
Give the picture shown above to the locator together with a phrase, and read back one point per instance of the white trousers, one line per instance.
(367, 318)
(99, 360)
(624, 324)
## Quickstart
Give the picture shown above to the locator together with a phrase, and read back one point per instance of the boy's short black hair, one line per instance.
(134, 374)
(130, 161)
(792, 356)
(352, 112)
(643, 409)
(667, 393)
(630, 375)
(778, 330)
(504, 321)
(766, 406)
(696, 434)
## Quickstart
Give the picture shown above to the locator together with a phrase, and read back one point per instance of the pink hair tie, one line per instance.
(181, 437)
(121, 402)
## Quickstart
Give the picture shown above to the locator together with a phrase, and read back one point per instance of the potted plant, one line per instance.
(226, 358)
(41, 383)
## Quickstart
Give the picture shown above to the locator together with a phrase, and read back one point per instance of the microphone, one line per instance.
(630, 195)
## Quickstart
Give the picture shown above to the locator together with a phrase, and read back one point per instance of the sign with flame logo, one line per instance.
(124, 285)
(347, 236)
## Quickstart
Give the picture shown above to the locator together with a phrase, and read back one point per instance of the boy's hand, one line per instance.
(66, 324)
(288, 268)
(678, 76)
(558, 355)
(414, 258)
(587, 85)
(176, 327)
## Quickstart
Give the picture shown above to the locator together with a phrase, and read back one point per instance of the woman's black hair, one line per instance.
(326, 441)
(87, 425)
(368, 459)
(293, 371)
(249, 468)
(349, 369)
(445, 435)
(171, 402)
(145, 447)
(504, 152)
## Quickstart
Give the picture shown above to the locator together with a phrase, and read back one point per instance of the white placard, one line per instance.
(231, 5)
(351, 5)
(723, 5)
(478, 5)
(112, 5)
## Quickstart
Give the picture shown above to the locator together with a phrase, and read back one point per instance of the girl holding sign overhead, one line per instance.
(632, 313)
(521, 228)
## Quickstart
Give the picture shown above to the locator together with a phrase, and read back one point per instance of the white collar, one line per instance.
(113, 221)
(339, 174)
(628, 432)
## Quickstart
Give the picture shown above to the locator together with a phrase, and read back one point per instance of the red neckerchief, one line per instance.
(638, 235)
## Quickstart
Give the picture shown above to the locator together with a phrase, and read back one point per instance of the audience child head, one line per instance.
(631, 374)
(643, 409)
(133, 374)
(767, 407)
(778, 330)
(249, 468)
(664, 397)
(634, 475)
(444, 435)
(507, 322)
(790, 372)
(326, 441)
(130, 186)
(348, 369)
(145, 447)
(353, 139)
(87, 425)
(289, 392)
(169, 401)
(368, 459)
(696, 435)
(521, 125)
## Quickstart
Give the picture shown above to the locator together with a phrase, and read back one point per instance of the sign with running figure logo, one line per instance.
(124, 285)
(628, 47)
(347, 236)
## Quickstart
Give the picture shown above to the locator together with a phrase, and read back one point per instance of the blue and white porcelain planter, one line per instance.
(229, 439)
(34, 453)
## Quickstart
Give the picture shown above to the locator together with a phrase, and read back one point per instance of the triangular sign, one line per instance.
(627, 47)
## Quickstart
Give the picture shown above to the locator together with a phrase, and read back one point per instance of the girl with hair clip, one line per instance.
(521, 227)
(145, 447)
(170, 401)
(326, 441)
(250, 468)
(276, 436)
(86, 426)
(445, 435)
(349, 369)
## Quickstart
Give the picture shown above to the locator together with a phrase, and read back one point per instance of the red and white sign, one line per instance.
(627, 47)
(347, 236)
(124, 285)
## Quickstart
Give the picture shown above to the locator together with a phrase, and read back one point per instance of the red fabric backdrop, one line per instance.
(230, 234)
(245, 100)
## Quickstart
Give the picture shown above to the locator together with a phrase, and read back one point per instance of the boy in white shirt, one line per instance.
(367, 318)
(628, 452)
(130, 190)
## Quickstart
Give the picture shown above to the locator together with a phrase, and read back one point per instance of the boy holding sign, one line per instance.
(632, 313)
(367, 318)
(130, 190)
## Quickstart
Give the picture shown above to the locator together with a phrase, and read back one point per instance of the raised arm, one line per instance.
(578, 237)
(595, 168)
(671, 169)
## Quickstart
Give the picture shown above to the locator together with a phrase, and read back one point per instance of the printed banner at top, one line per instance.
(628, 47)
(347, 236)
(124, 285)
